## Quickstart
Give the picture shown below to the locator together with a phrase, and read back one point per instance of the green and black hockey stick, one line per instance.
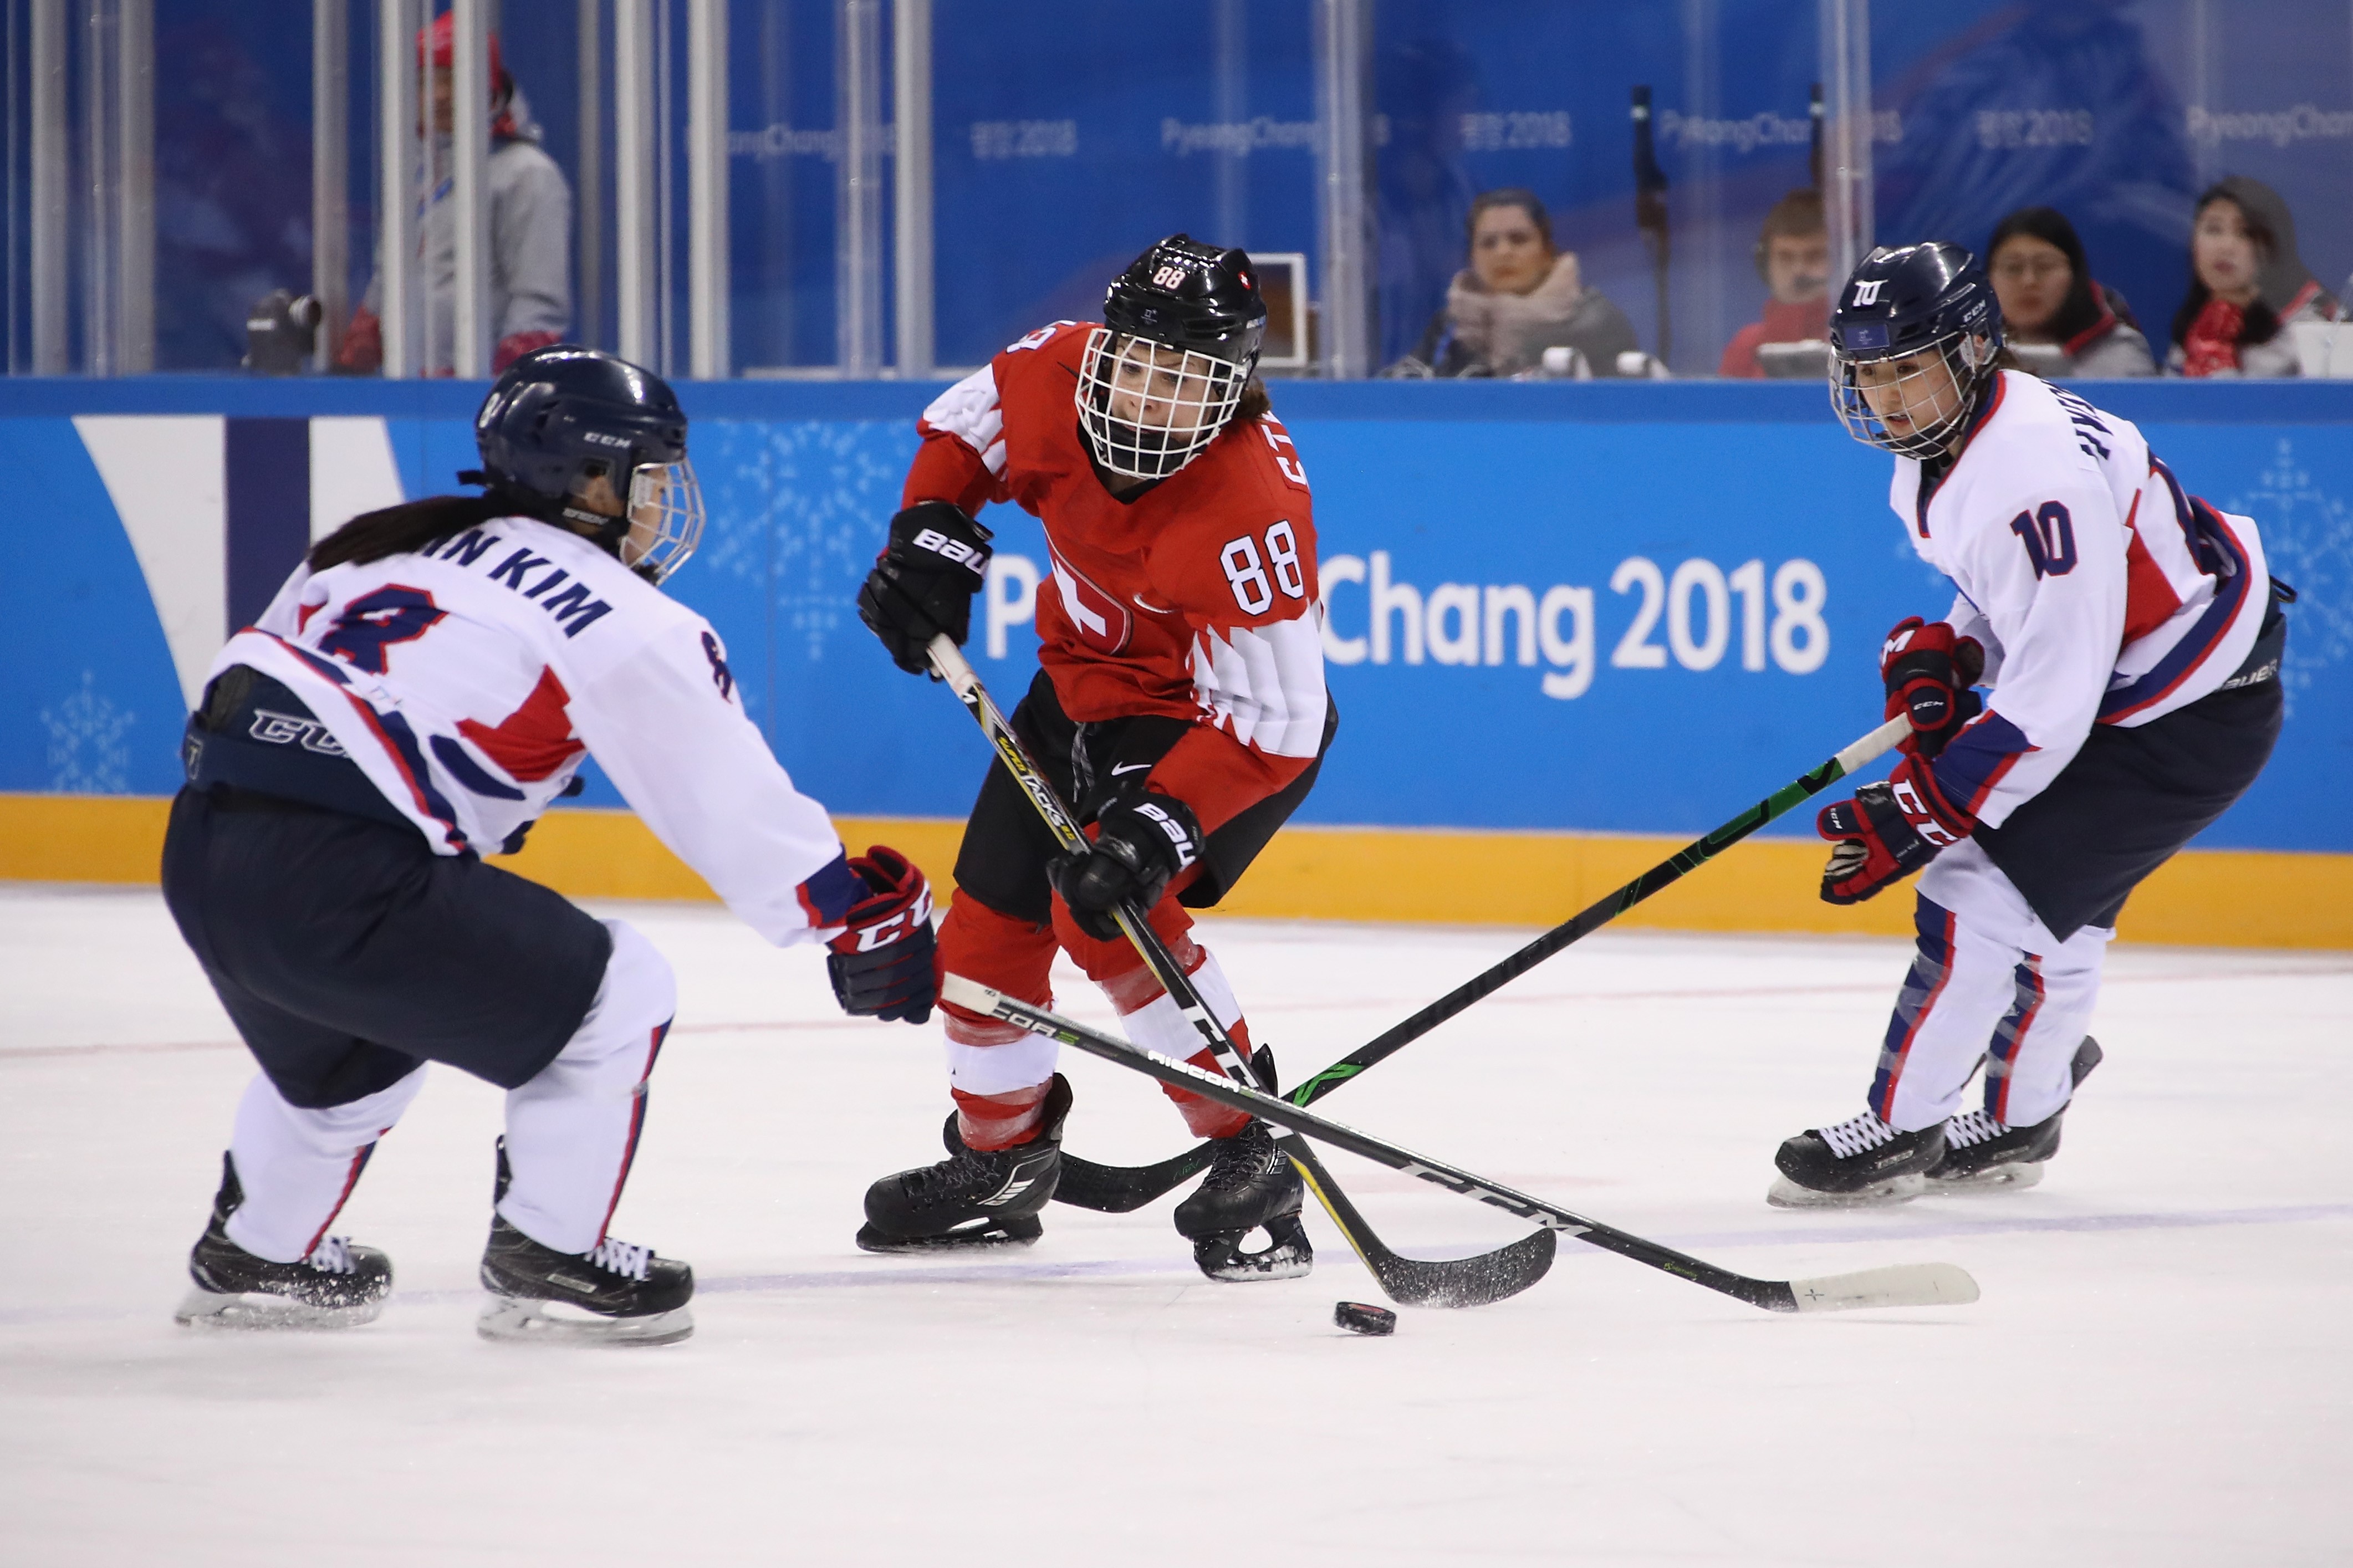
(1414, 1283)
(1903, 1285)
(1115, 1189)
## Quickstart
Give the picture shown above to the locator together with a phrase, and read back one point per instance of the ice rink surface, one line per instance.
(2157, 1372)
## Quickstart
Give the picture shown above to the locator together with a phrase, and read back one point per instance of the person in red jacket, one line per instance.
(1793, 256)
(1180, 706)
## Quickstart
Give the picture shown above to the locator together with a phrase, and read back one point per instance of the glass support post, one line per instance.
(706, 165)
(1846, 140)
(911, 53)
(469, 145)
(858, 244)
(633, 205)
(399, 306)
(331, 108)
(50, 208)
(1343, 103)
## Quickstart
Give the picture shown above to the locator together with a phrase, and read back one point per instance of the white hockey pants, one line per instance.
(572, 1128)
(1989, 986)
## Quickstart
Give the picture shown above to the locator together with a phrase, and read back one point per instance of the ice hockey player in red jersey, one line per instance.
(1180, 707)
(2131, 639)
(426, 683)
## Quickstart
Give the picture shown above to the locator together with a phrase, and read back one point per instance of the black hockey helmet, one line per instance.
(1906, 301)
(1187, 295)
(560, 417)
(1204, 304)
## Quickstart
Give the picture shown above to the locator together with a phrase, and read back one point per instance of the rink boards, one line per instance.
(1567, 626)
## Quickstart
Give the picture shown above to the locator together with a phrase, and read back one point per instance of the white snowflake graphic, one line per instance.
(87, 753)
(801, 508)
(2308, 540)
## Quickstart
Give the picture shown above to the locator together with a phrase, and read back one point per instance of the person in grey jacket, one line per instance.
(1519, 297)
(531, 231)
(2047, 297)
(2247, 285)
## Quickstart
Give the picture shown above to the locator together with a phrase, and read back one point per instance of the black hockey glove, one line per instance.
(923, 582)
(1929, 670)
(1144, 841)
(881, 964)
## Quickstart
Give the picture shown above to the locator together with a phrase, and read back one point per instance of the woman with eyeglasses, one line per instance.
(2050, 301)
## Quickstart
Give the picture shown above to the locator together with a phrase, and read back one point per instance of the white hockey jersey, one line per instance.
(2102, 592)
(468, 679)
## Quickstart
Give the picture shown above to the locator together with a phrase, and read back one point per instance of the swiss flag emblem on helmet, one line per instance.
(1102, 622)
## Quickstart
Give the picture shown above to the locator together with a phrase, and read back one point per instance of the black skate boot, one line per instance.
(974, 1198)
(1250, 1185)
(1982, 1155)
(338, 1286)
(1859, 1164)
(616, 1294)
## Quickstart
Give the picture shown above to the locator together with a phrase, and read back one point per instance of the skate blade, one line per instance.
(1015, 1232)
(1994, 1179)
(257, 1310)
(515, 1321)
(1287, 1255)
(1785, 1193)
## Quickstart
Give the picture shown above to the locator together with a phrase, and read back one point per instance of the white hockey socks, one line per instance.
(572, 1130)
(299, 1166)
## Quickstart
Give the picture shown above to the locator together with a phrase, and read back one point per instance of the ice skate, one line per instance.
(1862, 1162)
(338, 1286)
(974, 1198)
(1982, 1155)
(1251, 1185)
(616, 1293)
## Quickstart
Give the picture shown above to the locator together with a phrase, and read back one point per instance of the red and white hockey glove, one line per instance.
(881, 964)
(1887, 832)
(1929, 668)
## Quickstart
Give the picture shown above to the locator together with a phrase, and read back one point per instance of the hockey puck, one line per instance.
(1358, 1318)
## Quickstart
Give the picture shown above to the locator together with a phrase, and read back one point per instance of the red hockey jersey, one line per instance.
(1195, 598)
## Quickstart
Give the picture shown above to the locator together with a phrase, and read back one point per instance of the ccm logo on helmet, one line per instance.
(1866, 291)
(940, 544)
(598, 438)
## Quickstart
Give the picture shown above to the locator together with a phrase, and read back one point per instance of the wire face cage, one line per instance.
(665, 518)
(1148, 408)
(1934, 390)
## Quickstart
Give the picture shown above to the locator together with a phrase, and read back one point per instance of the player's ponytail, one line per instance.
(411, 525)
(1254, 403)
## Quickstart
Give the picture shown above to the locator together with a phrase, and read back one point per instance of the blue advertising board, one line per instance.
(1602, 608)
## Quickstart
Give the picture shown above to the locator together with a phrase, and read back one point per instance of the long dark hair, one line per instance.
(411, 526)
(2081, 309)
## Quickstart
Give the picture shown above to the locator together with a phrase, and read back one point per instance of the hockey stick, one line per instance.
(1903, 1285)
(1118, 1188)
(1463, 1282)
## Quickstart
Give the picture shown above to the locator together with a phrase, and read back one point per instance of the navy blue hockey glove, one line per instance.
(881, 964)
(923, 582)
(1930, 670)
(1887, 832)
(1145, 840)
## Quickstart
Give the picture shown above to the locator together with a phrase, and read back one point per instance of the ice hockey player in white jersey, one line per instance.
(2131, 639)
(421, 689)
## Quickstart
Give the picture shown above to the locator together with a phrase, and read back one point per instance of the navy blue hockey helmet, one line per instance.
(1182, 330)
(561, 418)
(1907, 303)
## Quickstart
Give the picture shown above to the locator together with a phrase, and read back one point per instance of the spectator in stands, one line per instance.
(2047, 297)
(531, 231)
(1519, 297)
(1793, 256)
(2247, 285)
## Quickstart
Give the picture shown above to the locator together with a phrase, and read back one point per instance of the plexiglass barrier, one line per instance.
(734, 187)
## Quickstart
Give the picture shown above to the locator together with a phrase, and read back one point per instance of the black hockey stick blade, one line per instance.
(1903, 1285)
(1413, 1282)
(1120, 1189)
